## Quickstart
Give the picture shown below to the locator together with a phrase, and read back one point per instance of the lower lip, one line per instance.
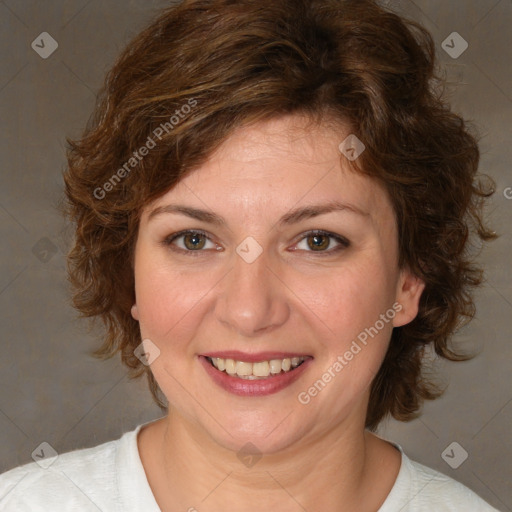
(258, 387)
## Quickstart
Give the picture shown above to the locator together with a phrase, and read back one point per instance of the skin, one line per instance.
(316, 456)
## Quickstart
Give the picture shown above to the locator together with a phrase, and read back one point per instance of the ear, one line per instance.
(408, 294)
(135, 312)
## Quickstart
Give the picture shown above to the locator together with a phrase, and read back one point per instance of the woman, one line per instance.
(272, 210)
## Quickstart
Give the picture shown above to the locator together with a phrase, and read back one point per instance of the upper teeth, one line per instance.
(255, 370)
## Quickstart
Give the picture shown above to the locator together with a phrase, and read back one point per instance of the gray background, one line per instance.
(52, 390)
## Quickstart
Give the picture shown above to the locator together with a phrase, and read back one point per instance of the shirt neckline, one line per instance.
(136, 493)
(134, 489)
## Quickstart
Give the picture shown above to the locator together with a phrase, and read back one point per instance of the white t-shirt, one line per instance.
(110, 478)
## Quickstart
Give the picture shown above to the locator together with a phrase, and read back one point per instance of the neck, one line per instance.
(342, 471)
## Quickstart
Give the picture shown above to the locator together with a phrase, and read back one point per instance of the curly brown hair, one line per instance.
(203, 69)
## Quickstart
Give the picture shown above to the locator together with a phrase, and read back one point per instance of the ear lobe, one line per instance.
(409, 290)
(135, 312)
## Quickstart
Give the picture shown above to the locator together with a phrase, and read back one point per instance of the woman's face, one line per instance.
(254, 281)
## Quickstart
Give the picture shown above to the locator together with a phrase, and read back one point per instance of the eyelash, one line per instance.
(168, 241)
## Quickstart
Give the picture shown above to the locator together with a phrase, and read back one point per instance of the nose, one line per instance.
(252, 298)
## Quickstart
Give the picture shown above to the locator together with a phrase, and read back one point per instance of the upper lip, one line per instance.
(254, 357)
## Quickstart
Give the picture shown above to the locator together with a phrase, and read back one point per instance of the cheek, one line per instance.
(349, 300)
(358, 310)
(347, 308)
(170, 307)
(166, 300)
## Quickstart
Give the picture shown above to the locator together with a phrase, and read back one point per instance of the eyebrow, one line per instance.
(292, 217)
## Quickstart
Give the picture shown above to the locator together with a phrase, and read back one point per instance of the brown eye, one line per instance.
(322, 242)
(190, 242)
(194, 241)
(318, 242)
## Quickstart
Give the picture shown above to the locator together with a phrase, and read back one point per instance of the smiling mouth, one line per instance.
(258, 370)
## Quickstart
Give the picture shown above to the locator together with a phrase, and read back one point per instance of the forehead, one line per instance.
(276, 165)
